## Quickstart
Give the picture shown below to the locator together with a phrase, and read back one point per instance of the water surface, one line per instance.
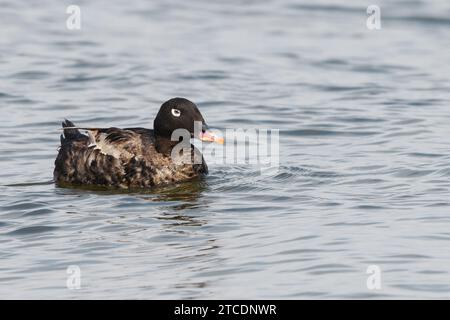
(364, 150)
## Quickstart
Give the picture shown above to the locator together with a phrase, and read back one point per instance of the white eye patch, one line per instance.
(176, 112)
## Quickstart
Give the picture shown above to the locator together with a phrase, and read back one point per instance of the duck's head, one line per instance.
(180, 113)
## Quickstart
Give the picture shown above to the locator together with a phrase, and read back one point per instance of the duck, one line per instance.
(135, 158)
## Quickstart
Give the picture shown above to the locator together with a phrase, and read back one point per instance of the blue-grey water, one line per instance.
(364, 172)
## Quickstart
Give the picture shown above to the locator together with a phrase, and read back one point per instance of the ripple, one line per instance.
(83, 78)
(443, 288)
(319, 133)
(410, 173)
(32, 230)
(86, 64)
(328, 8)
(424, 155)
(31, 75)
(426, 20)
(23, 205)
(5, 95)
(332, 268)
(39, 212)
(364, 168)
(351, 224)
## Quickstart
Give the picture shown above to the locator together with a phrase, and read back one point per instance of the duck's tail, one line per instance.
(70, 132)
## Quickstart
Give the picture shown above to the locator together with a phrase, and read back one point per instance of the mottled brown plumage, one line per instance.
(125, 158)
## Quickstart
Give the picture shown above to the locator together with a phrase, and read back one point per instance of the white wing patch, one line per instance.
(98, 142)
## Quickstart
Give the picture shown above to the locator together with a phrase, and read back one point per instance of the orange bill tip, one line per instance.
(211, 137)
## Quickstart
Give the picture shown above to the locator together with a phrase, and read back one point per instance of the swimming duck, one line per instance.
(134, 157)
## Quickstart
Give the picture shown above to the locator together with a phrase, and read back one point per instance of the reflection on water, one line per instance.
(364, 154)
(178, 198)
(188, 198)
(188, 192)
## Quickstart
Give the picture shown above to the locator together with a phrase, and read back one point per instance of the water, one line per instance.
(364, 168)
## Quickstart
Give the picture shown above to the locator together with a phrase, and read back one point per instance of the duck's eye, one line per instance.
(176, 112)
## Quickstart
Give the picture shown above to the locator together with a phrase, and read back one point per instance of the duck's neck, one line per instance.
(164, 145)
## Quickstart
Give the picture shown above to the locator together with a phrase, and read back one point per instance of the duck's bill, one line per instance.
(211, 137)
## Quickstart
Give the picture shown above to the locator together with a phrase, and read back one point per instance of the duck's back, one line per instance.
(113, 157)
